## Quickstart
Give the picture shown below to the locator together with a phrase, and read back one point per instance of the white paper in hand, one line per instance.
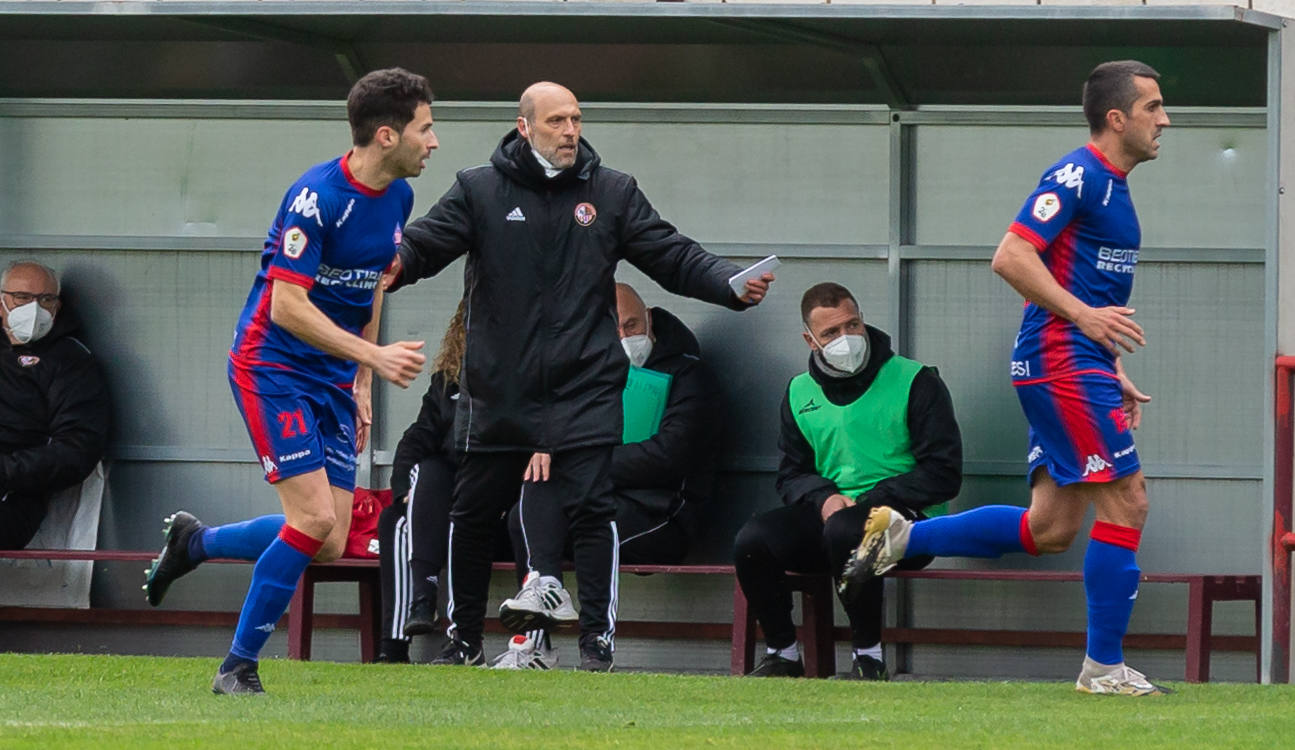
(737, 282)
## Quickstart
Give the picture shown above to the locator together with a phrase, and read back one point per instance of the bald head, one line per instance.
(635, 318)
(542, 91)
(548, 117)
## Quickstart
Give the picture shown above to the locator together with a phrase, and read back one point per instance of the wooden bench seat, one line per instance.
(817, 633)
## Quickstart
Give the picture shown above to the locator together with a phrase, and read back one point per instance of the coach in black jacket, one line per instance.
(53, 402)
(544, 226)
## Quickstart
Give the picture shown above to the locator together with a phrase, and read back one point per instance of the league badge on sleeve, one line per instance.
(294, 242)
(1046, 206)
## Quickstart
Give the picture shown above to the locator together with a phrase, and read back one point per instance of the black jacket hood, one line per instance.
(672, 338)
(845, 390)
(513, 157)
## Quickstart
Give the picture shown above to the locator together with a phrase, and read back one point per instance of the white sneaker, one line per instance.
(525, 653)
(1115, 679)
(885, 539)
(538, 607)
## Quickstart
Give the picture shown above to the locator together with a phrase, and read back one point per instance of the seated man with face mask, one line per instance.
(53, 403)
(863, 427)
(658, 484)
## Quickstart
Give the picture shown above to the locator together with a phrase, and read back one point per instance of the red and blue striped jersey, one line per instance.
(1081, 220)
(334, 236)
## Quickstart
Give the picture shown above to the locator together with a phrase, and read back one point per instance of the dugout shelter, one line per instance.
(146, 145)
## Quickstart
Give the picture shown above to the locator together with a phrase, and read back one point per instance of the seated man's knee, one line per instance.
(843, 530)
(750, 541)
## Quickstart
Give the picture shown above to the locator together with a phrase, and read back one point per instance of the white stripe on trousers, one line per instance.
(521, 519)
(404, 579)
(610, 634)
(452, 630)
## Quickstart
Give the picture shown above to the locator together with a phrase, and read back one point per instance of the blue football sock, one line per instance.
(988, 531)
(1111, 583)
(274, 578)
(245, 540)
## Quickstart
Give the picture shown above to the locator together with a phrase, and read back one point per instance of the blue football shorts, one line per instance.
(297, 425)
(1078, 429)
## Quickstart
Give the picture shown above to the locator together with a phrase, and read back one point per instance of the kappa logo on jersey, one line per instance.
(1095, 465)
(1046, 206)
(294, 242)
(28, 360)
(586, 214)
(1035, 454)
(1072, 177)
(345, 214)
(307, 204)
(515, 215)
(268, 465)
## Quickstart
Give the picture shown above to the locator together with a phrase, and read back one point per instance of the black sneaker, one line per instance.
(456, 652)
(173, 561)
(867, 668)
(422, 617)
(773, 665)
(392, 651)
(595, 654)
(241, 680)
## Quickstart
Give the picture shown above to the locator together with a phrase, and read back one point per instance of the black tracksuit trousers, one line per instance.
(417, 532)
(795, 538)
(487, 487)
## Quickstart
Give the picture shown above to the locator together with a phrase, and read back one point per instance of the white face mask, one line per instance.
(637, 348)
(846, 352)
(29, 322)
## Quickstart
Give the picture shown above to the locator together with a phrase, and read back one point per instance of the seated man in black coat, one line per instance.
(658, 483)
(53, 402)
(863, 427)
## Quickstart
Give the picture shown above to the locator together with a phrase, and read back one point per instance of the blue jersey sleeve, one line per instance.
(1052, 206)
(305, 216)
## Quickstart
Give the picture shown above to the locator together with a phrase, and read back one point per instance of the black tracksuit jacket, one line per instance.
(543, 368)
(54, 411)
(678, 463)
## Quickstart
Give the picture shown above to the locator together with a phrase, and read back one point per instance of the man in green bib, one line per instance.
(863, 427)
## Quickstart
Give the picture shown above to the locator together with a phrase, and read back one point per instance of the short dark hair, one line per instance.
(824, 294)
(384, 97)
(1110, 86)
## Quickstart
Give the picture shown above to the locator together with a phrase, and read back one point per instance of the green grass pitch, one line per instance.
(110, 702)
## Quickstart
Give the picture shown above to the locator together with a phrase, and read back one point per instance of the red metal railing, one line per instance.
(1283, 540)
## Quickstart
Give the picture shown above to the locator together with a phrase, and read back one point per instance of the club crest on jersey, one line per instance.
(1046, 206)
(586, 214)
(28, 360)
(307, 204)
(294, 242)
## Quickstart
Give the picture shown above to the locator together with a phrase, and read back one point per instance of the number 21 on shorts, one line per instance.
(293, 423)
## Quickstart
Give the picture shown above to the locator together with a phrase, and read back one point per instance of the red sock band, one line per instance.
(1027, 539)
(1120, 536)
(300, 541)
